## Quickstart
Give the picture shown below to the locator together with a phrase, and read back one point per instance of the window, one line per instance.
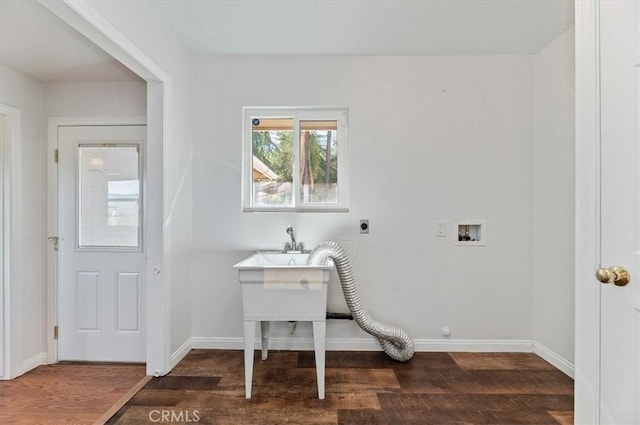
(109, 207)
(295, 159)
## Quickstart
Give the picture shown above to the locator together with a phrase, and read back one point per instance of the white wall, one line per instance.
(553, 196)
(25, 94)
(100, 99)
(431, 138)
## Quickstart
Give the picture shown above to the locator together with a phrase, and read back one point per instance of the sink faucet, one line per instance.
(292, 246)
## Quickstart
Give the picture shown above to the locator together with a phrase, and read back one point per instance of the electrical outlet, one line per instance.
(364, 226)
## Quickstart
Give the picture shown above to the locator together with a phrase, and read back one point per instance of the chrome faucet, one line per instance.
(292, 246)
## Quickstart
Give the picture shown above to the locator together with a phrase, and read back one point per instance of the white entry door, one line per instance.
(101, 262)
(620, 211)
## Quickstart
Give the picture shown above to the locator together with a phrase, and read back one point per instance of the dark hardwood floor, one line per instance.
(362, 388)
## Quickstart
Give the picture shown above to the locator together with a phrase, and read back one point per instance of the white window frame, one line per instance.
(141, 206)
(298, 114)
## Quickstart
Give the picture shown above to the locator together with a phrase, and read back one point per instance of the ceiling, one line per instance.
(367, 27)
(36, 43)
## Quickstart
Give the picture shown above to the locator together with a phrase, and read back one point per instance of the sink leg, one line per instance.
(264, 332)
(319, 331)
(249, 340)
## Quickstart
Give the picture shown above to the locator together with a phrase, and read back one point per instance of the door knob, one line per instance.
(617, 275)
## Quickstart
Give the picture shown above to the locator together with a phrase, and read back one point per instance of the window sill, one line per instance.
(310, 209)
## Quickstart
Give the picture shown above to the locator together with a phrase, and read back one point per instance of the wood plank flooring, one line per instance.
(66, 393)
(362, 388)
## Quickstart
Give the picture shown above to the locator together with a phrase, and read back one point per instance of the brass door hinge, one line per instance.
(55, 241)
(56, 155)
(55, 332)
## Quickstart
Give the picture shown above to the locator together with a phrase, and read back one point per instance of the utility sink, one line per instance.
(274, 259)
(280, 286)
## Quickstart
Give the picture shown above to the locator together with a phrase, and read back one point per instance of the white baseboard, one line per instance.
(220, 343)
(303, 344)
(556, 360)
(33, 362)
(475, 345)
(369, 344)
(182, 351)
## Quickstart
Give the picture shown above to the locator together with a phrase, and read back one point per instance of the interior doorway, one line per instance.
(103, 34)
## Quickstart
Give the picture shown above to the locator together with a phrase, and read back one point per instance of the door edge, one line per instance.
(587, 213)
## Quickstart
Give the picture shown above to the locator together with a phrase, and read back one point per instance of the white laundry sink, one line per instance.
(273, 258)
(280, 286)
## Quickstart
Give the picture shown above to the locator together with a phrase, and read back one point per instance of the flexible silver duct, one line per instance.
(394, 341)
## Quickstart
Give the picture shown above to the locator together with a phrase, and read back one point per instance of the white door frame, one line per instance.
(587, 213)
(12, 231)
(80, 15)
(53, 125)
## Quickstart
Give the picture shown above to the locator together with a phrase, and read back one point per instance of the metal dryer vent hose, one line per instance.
(394, 341)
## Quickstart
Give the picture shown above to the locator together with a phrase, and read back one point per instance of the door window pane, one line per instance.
(109, 201)
(318, 162)
(272, 174)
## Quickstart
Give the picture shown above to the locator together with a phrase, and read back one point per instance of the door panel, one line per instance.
(620, 212)
(87, 298)
(128, 301)
(101, 283)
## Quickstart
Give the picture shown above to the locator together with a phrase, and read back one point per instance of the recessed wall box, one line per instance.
(471, 233)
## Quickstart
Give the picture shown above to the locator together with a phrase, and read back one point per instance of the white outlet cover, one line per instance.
(441, 229)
